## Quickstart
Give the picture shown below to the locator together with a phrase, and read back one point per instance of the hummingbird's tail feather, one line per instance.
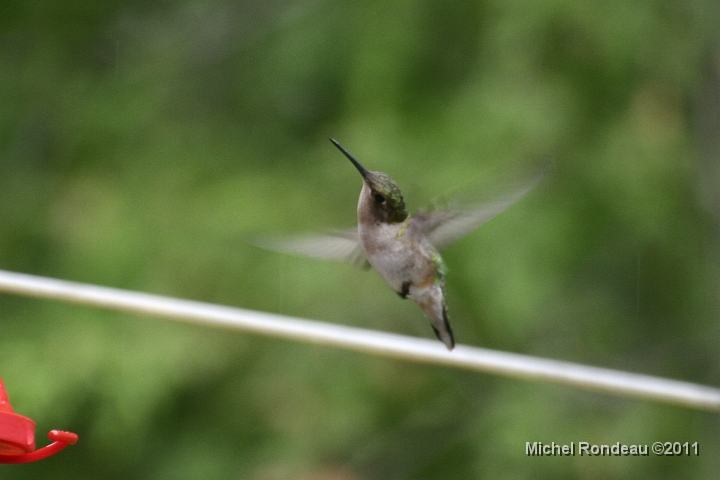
(444, 333)
(432, 301)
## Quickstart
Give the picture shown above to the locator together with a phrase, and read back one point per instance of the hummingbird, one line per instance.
(403, 249)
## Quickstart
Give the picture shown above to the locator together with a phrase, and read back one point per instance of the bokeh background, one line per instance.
(141, 144)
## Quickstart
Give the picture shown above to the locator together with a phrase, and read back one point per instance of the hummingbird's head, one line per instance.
(380, 198)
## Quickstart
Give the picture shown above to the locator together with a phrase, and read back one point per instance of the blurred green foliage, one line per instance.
(141, 142)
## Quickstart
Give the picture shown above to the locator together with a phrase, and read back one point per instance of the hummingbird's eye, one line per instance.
(379, 198)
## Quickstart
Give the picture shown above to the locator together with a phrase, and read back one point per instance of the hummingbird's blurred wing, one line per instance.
(342, 245)
(446, 224)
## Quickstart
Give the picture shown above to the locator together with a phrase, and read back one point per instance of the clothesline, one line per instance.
(373, 342)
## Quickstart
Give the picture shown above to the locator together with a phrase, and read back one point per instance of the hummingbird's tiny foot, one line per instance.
(405, 290)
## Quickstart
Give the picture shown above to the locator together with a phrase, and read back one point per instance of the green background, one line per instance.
(141, 143)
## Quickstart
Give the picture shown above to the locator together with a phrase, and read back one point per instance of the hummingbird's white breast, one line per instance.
(398, 254)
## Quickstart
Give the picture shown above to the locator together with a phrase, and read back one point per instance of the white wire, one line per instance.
(369, 341)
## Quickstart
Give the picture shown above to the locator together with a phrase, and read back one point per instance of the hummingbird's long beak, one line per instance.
(363, 171)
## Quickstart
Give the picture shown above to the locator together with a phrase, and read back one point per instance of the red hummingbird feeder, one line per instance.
(17, 436)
